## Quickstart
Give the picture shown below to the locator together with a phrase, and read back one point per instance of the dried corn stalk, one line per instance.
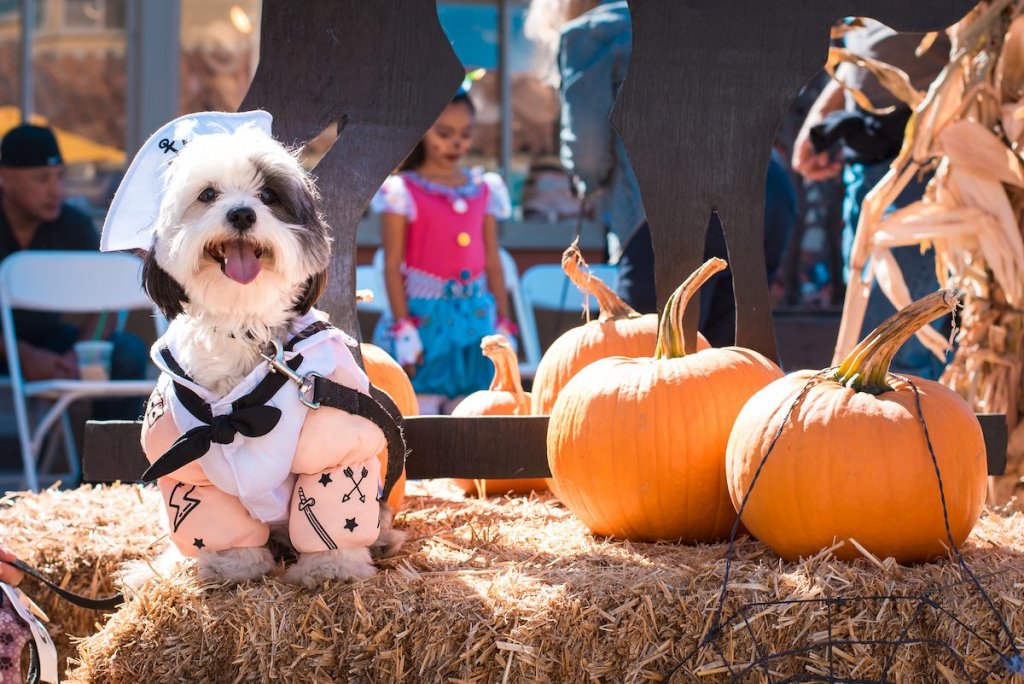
(969, 130)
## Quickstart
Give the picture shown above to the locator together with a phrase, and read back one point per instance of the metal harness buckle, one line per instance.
(305, 382)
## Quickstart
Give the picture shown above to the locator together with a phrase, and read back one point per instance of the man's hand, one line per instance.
(41, 364)
(8, 574)
(815, 166)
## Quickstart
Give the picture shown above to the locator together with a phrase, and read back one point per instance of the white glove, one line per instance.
(408, 347)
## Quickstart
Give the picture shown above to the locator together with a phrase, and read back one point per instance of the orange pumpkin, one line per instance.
(385, 373)
(636, 446)
(505, 397)
(851, 461)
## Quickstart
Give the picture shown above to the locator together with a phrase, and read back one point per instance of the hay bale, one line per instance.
(77, 538)
(517, 590)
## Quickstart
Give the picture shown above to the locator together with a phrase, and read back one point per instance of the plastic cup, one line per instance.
(94, 359)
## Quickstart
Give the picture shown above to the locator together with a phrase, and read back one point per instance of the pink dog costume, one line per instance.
(267, 458)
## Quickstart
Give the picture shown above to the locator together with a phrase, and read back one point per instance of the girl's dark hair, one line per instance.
(418, 154)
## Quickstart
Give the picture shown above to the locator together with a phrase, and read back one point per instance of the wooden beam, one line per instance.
(439, 446)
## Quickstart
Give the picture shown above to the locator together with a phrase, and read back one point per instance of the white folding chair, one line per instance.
(545, 286)
(524, 317)
(67, 282)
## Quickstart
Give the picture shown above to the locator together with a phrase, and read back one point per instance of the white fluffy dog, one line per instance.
(240, 254)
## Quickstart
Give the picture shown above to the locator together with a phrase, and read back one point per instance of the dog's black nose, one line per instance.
(241, 218)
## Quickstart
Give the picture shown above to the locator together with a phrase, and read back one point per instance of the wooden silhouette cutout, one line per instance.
(383, 72)
(709, 83)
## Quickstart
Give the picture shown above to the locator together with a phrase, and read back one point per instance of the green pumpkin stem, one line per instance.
(610, 305)
(671, 335)
(866, 368)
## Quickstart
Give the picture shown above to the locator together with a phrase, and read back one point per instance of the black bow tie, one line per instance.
(250, 421)
(249, 416)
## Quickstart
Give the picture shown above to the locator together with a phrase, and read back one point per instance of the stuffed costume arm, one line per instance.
(335, 500)
(200, 516)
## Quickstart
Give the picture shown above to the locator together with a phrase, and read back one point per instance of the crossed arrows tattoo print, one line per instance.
(350, 474)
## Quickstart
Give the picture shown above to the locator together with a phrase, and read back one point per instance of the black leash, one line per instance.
(107, 603)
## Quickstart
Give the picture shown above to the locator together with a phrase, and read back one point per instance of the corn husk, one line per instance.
(517, 590)
(969, 130)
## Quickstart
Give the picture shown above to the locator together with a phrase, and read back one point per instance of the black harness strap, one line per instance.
(329, 393)
(397, 448)
(108, 603)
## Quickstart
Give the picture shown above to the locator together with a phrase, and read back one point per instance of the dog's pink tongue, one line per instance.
(240, 262)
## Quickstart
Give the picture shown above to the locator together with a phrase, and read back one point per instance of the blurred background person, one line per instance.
(840, 137)
(34, 215)
(442, 267)
(585, 48)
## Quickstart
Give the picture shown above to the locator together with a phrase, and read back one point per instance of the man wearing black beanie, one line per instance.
(34, 215)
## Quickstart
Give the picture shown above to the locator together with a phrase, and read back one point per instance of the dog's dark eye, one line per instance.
(207, 195)
(267, 196)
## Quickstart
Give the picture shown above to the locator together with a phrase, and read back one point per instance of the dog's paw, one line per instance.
(388, 543)
(389, 540)
(344, 564)
(132, 575)
(235, 565)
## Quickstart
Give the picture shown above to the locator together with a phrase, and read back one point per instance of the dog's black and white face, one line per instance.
(240, 240)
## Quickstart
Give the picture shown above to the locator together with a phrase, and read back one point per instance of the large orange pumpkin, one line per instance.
(385, 373)
(851, 460)
(505, 397)
(636, 446)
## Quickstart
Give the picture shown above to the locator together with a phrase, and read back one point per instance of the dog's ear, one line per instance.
(315, 286)
(164, 290)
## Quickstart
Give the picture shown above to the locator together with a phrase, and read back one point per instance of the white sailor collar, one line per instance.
(171, 340)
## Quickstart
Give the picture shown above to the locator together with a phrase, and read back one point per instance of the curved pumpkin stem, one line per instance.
(671, 336)
(506, 369)
(610, 305)
(866, 369)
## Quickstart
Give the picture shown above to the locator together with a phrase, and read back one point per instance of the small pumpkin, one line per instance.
(636, 446)
(505, 397)
(851, 460)
(385, 374)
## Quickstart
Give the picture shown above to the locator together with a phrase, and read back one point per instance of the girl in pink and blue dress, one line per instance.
(442, 269)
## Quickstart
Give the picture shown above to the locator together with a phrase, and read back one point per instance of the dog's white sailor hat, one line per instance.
(133, 213)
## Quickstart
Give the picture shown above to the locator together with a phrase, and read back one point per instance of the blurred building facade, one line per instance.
(102, 69)
(111, 71)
